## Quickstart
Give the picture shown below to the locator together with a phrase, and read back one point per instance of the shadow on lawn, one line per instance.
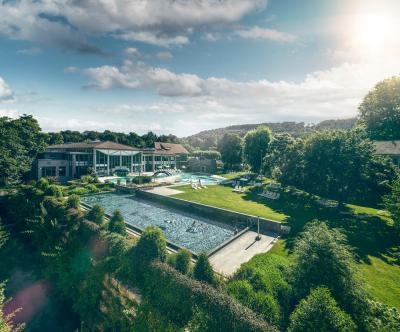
(368, 235)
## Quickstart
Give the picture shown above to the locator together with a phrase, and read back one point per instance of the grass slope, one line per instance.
(369, 231)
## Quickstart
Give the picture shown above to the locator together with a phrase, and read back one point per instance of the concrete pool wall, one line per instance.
(211, 212)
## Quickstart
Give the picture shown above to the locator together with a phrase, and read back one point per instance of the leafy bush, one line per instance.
(182, 262)
(42, 184)
(117, 223)
(260, 302)
(89, 179)
(96, 214)
(320, 312)
(73, 201)
(54, 190)
(79, 191)
(141, 179)
(322, 258)
(177, 297)
(203, 270)
(91, 188)
(151, 246)
(383, 318)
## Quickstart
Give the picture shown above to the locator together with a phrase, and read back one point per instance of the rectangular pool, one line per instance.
(186, 230)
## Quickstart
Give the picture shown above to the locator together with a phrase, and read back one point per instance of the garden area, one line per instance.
(369, 231)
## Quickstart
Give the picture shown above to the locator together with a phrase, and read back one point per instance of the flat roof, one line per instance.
(106, 145)
(389, 148)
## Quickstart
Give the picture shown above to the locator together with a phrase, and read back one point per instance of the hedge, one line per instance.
(177, 296)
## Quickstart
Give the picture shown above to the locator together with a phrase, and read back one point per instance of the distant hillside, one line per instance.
(208, 139)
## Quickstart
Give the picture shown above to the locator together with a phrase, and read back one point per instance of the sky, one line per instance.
(182, 66)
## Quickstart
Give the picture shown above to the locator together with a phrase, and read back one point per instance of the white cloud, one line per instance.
(68, 23)
(325, 94)
(164, 55)
(153, 38)
(266, 34)
(30, 51)
(50, 124)
(9, 113)
(132, 52)
(6, 94)
(139, 75)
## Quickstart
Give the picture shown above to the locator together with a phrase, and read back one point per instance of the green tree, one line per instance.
(279, 155)
(151, 246)
(73, 202)
(230, 147)
(20, 142)
(320, 312)
(256, 143)
(117, 223)
(341, 165)
(96, 214)
(182, 261)
(392, 202)
(323, 258)
(203, 270)
(380, 110)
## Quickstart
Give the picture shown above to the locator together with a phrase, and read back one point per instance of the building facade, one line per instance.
(389, 149)
(71, 160)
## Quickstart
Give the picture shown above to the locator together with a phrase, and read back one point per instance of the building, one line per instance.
(71, 160)
(389, 149)
(202, 165)
(164, 155)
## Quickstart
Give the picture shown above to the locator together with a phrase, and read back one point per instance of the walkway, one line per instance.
(164, 191)
(227, 260)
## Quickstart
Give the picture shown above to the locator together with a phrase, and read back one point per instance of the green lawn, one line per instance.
(370, 233)
(223, 197)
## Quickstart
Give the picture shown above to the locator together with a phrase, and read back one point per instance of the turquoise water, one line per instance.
(188, 231)
(193, 177)
(182, 177)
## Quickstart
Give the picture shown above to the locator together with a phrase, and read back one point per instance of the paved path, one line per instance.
(227, 260)
(164, 191)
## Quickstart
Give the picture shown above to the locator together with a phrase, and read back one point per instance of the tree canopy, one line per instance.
(324, 259)
(380, 110)
(230, 147)
(256, 143)
(338, 164)
(320, 312)
(20, 142)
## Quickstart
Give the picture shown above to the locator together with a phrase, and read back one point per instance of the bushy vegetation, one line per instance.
(320, 312)
(116, 223)
(203, 270)
(87, 266)
(380, 110)
(20, 142)
(256, 143)
(182, 261)
(318, 289)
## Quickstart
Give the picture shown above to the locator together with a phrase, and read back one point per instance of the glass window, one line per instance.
(49, 171)
(62, 171)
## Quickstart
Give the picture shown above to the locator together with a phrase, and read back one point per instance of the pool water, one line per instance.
(192, 232)
(193, 177)
(181, 177)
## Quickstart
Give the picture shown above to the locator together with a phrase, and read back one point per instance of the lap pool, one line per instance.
(186, 230)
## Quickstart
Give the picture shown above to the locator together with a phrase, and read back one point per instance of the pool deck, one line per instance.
(164, 191)
(227, 260)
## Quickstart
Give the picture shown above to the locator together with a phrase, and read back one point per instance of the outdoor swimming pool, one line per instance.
(192, 232)
(181, 177)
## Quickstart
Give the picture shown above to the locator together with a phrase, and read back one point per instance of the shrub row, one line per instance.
(178, 297)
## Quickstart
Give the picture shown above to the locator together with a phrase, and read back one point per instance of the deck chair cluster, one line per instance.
(238, 189)
(197, 186)
(270, 194)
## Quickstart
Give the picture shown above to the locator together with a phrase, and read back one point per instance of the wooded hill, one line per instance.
(207, 139)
